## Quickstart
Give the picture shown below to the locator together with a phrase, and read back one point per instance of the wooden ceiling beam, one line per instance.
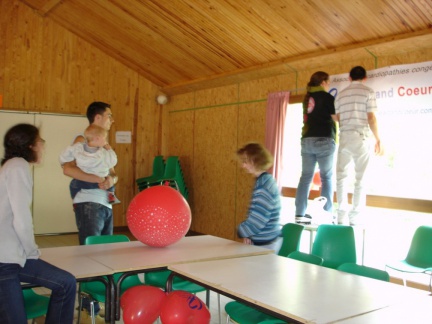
(283, 66)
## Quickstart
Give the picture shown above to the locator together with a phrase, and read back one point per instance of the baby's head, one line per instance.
(96, 136)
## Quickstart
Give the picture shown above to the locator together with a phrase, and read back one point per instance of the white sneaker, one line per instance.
(303, 220)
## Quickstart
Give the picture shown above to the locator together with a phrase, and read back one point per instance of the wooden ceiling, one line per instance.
(184, 45)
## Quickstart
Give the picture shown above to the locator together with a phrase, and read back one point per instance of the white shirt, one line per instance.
(16, 223)
(92, 160)
(353, 105)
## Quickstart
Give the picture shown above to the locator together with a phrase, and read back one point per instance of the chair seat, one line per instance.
(406, 267)
(365, 271)
(244, 314)
(306, 257)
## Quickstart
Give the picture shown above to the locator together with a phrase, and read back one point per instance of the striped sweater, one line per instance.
(262, 223)
(353, 104)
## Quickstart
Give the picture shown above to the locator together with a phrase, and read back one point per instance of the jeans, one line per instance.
(76, 185)
(93, 219)
(354, 146)
(36, 271)
(315, 150)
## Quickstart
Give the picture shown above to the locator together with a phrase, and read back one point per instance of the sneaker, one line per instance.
(112, 199)
(304, 220)
(85, 318)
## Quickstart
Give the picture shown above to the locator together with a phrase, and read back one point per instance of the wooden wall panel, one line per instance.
(181, 102)
(216, 96)
(259, 89)
(181, 139)
(215, 170)
(148, 120)
(48, 69)
(407, 58)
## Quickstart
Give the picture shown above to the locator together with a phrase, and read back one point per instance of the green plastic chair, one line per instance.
(365, 271)
(157, 173)
(335, 244)
(291, 235)
(419, 257)
(95, 290)
(35, 305)
(241, 313)
(306, 257)
(173, 176)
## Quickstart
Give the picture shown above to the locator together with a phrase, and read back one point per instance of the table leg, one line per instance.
(310, 241)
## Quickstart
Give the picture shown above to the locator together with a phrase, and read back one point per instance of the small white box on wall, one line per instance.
(123, 137)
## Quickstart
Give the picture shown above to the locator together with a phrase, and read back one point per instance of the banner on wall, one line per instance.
(404, 100)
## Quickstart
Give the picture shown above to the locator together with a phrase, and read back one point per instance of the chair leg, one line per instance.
(92, 312)
(79, 305)
(228, 319)
(430, 283)
(218, 296)
(208, 298)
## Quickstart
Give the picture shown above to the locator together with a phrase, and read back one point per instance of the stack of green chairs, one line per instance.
(172, 176)
(157, 173)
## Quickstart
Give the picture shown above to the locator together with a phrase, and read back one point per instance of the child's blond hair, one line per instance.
(93, 131)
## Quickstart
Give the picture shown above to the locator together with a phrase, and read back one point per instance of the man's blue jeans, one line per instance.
(36, 271)
(316, 150)
(92, 219)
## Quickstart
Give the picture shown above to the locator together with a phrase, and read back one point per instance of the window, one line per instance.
(405, 169)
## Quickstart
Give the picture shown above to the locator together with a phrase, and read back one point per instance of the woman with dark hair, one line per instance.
(19, 254)
(317, 143)
(262, 224)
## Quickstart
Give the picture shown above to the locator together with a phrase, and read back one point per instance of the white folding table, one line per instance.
(294, 290)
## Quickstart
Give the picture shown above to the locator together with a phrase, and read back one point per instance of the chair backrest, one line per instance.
(170, 167)
(35, 305)
(158, 166)
(306, 257)
(103, 239)
(335, 244)
(420, 251)
(291, 235)
(364, 271)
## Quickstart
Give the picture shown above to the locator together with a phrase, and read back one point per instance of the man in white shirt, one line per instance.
(355, 108)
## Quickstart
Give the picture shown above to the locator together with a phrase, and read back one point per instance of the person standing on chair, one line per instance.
(262, 224)
(19, 254)
(356, 111)
(317, 144)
